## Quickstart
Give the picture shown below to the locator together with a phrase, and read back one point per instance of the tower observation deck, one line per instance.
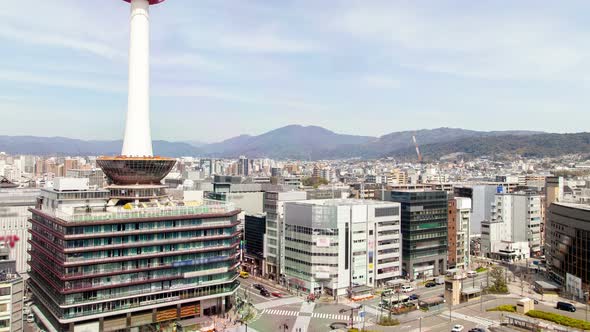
(137, 164)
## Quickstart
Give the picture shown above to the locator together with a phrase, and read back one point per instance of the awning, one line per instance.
(471, 290)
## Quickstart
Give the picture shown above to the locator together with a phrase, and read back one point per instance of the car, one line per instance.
(30, 318)
(536, 301)
(458, 328)
(244, 275)
(471, 274)
(264, 293)
(430, 284)
(414, 297)
(258, 286)
(477, 329)
(407, 289)
(566, 306)
(276, 294)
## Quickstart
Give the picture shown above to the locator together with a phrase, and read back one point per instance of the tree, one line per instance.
(498, 277)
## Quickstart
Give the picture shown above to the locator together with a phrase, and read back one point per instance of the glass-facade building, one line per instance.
(115, 268)
(424, 225)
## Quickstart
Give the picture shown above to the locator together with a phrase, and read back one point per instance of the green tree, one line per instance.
(498, 277)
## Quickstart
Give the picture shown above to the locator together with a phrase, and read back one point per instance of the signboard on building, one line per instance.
(323, 242)
(573, 286)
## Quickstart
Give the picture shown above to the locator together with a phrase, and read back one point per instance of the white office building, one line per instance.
(339, 245)
(514, 230)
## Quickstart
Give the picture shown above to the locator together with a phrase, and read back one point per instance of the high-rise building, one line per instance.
(514, 230)
(129, 256)
(341, 245)
(12, 291)
(243, 166)
(482, 198)
(568, 244)
(274, 251)
(254, 238)
(458, 238)
(14, 221)
(424, 219)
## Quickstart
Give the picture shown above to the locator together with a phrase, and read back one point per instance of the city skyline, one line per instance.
(266, 66)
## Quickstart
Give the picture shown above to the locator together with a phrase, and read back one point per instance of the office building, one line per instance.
(458, 238)
(482, 197)
(514, 230)
(243, 166)
(274, 208)
(424, 219)
(12, 291)
(254, 239)
(340, 245)
(568, 243)
(14, 221)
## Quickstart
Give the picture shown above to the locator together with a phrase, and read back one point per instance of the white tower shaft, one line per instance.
(138, 138)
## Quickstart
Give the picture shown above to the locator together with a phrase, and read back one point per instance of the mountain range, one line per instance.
(313, 143)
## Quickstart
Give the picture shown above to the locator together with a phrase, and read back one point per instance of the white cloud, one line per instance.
(54, 81)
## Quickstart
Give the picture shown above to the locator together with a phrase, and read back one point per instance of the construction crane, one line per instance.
(417, 149)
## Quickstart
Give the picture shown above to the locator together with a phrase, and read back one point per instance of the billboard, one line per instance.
(323, 242)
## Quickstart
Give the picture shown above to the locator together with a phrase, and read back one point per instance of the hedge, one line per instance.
(560, 319)
(506, 307)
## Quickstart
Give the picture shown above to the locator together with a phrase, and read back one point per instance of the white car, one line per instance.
(471, 274)
(458, 328)
(407, 289)
(30, 318)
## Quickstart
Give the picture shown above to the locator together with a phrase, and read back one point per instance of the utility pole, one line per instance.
(481, 298)
(420, 321)
(451, 311)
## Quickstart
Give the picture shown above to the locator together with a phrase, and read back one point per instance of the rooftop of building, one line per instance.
(145, 210)
(343, 202)
(580, 206)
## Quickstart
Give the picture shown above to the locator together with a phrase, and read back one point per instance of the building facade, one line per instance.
(254, 239)
(274, 247)
(102, 267)
(12, 291)
(14, 224)
(335, 246)
(568, 242)
(424, 220)
(458, 237)
(514, 230)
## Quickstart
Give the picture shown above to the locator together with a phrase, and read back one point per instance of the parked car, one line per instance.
(566, 306)
(30, 318)
(430, 284)
(264, 293)
(477, 329)
(414, 297)
(258, 286)
(458, 328)
(407, 289)
(471, 274)
(277, 294)
(244, 275)
(439, 280)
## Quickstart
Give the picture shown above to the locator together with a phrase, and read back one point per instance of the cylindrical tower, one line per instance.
(138, 139)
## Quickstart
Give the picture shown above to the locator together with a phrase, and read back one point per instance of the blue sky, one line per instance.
(223, 68)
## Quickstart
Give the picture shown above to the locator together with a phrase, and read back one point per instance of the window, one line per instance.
(4, 291)
(386, 212)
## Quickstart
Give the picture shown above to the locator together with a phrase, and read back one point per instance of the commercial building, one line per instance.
(514, 230)
(458, 237)
(424, 220)
(254, 239)
(482, 198)
(108, 267)
(274, 247)
(95, 176)
(341, 246)
(568, 242)
(14, 224)
(12, 291)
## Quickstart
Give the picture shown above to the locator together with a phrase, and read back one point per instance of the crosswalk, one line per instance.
(334, 317)
(280, 312)
(289, 313)
(474, 319)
